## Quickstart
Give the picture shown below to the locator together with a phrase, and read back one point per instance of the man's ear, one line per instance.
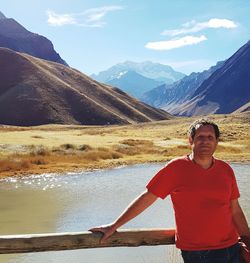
(190, 140)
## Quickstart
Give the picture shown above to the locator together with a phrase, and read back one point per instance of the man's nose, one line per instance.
(205, 139)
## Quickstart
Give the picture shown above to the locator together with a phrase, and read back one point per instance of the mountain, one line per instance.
(16, 37)
(174, 95)
(35, 91)
(133, 83)
(226, 90)
(138, 78)
(148, 69)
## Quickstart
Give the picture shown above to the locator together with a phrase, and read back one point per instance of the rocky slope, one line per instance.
(16, 37)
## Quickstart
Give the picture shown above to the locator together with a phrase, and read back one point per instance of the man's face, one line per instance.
(204, 142)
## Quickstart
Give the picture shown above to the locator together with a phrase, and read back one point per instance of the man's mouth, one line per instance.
(205, 146)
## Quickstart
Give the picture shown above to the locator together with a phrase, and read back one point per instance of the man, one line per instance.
(204, 192)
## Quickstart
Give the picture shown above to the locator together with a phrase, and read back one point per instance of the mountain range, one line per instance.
(172, 96)
(223, 88)
(35, 91)
(40, 88)
(16, 37)
(138, 78)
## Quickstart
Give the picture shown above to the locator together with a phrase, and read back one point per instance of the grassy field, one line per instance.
(60, 148)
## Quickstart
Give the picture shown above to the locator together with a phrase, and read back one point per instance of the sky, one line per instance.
(93, 35)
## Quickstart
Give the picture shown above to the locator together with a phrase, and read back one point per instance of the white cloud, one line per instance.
(225, 23)
(193, 26)
(89, 18)
(175, 43)
(59, 20)
(95, 14)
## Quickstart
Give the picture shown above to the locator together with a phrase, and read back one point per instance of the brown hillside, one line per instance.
(34, 91)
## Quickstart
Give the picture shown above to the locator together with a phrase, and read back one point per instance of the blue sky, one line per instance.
(92, 35)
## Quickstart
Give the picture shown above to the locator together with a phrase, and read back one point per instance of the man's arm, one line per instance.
(240, 222)
(137, 206)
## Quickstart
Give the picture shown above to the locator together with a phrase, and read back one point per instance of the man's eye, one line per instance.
(205, 137)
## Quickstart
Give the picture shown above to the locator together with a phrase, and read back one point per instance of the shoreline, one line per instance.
(104, 166)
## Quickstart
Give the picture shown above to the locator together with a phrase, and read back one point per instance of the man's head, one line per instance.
(203, 122)
(203, 137)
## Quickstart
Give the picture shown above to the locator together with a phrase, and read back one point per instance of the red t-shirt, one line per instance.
(201, 200)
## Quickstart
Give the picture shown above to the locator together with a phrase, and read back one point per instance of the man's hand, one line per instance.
(107, 231)
(137, 206)
(246, 241)
(245, 251)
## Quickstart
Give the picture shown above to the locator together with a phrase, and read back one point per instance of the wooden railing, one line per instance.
(79, 240)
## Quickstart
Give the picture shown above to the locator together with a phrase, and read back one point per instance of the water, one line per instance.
(77, 202)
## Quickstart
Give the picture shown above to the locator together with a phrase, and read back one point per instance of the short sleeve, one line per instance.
(163, 182)
(235, 190)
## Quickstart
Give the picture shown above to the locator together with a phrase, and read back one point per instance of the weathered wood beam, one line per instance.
(79, 240)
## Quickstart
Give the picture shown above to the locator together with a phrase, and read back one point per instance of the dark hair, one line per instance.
(203, 122)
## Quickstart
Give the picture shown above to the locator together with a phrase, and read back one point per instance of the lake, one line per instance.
(78, 201)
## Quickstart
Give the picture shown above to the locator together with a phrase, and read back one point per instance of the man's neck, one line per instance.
(204, 161)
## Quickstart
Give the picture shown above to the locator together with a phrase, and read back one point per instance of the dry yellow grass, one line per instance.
(60, 148)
